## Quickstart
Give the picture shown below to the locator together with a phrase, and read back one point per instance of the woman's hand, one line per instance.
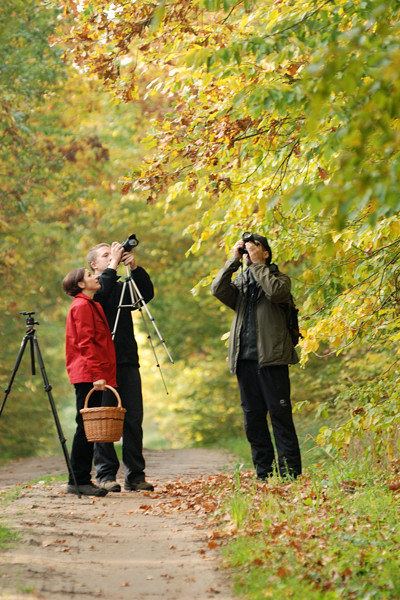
(99, 385)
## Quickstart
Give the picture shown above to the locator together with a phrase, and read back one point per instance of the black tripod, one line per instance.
(137, 301)
(31, 338)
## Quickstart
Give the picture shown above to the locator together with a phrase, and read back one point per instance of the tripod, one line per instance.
(137, 301)
(34, 346)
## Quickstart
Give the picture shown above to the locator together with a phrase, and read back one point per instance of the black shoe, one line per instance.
(89, 489)
(138, 486)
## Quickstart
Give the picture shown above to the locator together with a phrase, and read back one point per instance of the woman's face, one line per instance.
(90, 284)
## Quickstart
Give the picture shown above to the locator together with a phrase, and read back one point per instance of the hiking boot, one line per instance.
(138, 486)
(110, 485)
(88, 489)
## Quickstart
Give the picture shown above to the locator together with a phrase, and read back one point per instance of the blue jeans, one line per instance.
(105, 458)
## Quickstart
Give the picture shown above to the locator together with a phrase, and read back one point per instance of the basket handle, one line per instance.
(108, 387)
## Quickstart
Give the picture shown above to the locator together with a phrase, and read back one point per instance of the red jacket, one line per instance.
(90, 352)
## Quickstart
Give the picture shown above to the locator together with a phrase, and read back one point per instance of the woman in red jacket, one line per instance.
(91, 363)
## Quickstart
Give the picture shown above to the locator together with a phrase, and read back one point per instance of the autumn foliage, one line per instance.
(215, 117)
(280, 116)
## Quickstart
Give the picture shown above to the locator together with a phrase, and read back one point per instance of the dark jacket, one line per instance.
(89, 349)
(274, 344)
(109, 297)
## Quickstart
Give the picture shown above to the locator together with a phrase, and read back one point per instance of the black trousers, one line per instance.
(105, 458)
(263, 391)
(82, 450)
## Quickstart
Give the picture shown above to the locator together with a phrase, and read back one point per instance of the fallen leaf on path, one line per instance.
(47, 543)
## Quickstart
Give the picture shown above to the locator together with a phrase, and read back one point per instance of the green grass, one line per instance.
(331, 535)
(7, 537)
(10, 495)
(49, 479)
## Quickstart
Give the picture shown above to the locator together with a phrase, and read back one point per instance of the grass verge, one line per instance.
(332, 534)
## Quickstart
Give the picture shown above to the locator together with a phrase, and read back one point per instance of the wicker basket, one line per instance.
(103, 423)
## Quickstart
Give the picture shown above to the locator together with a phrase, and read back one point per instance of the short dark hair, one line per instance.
(71, 280)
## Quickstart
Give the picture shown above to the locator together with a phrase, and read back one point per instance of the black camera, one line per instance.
(246, 237)
(130, 243)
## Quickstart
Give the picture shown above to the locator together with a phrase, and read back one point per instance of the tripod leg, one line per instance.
(140, 301)
(118, 311)
(132, 292)
(48, 389)
(32, 357)
(15, 369)
(137, 301)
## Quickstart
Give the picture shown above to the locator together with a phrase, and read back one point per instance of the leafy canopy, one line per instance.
(277, 115)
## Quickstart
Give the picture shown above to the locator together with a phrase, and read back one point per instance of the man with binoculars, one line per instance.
(260, 350)
(104, 259)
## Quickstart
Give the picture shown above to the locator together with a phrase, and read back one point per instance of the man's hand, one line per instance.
(129, 260)
(239, 245)
(117, 251)
(257, 252)
(99, 385)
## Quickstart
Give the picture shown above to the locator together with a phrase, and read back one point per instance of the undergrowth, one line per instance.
(333, 534)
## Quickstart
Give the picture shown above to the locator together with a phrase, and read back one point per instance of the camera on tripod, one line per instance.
(246, 237)
(130, 243)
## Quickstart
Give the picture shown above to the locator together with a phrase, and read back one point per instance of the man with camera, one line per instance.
(260, 350)
(104, 259)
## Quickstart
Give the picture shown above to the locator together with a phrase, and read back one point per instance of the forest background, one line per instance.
(188, 123)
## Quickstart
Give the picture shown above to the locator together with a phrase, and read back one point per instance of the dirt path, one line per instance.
(128, 545)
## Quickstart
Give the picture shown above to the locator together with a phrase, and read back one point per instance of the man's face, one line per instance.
(256, 253)
(103, 259)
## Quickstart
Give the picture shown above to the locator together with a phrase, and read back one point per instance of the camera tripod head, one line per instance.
(29, 320)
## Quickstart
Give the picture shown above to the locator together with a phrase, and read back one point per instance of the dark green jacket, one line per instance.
(274, 344)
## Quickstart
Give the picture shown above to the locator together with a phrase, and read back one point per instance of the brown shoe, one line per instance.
(110, 485)
(89, 489)
(138, 486)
